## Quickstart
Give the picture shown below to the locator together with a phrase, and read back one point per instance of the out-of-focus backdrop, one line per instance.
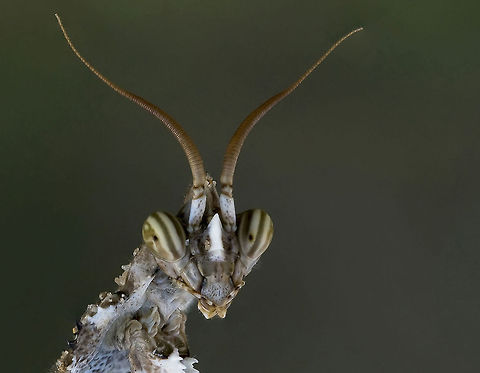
(369, 171)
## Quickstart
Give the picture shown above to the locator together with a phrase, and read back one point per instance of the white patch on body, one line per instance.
(175, 364)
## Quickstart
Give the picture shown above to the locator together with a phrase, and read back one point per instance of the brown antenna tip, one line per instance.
(235, 145)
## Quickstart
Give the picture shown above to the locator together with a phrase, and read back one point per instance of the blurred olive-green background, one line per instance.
(369, 171)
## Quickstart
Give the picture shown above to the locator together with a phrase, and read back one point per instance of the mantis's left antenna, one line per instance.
(235, 145)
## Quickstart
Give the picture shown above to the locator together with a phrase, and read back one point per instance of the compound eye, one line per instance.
(164, 235)
(255, 232)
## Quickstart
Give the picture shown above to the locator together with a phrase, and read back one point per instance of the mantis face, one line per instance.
(213, 261)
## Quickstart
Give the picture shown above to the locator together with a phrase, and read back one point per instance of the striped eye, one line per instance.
(164, 235)
(255, 232)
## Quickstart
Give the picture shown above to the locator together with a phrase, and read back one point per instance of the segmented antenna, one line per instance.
(191, 151)
(235, 145)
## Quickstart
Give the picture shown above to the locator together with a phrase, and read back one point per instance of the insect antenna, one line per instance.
(236, 142)
(191, 151)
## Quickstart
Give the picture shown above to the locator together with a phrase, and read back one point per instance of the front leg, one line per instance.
(146, 355)
(140, 347)
(172, 336)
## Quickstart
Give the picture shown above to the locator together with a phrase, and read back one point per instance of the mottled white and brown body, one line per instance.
(135, 328)
(146, 314)
(200, 255)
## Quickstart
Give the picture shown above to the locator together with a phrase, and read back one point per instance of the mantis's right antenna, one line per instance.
(191, 151)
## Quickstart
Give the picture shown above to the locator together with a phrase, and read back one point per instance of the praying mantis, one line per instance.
(202, 254)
